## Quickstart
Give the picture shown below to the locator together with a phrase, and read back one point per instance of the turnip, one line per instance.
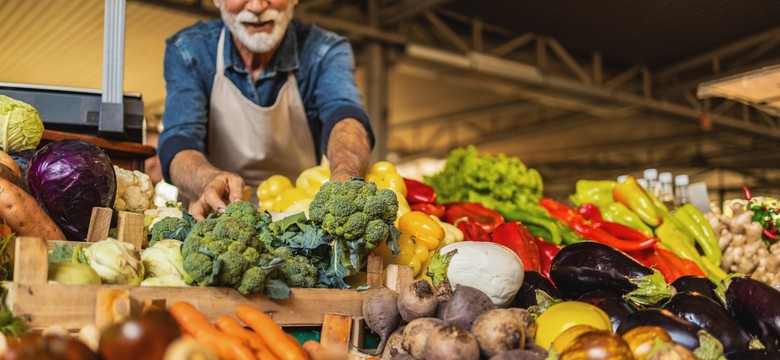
(498, 331)
(417, 300)
(416, 335)
(380, 309)
(465, 305)
(451, 343)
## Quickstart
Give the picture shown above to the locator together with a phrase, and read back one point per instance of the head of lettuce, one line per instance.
(21, 126)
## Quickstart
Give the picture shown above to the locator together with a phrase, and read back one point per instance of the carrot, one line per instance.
(24, 215)
(195, 324)
(312, 347)
(232, 327)
(5, 230)
(282, 345)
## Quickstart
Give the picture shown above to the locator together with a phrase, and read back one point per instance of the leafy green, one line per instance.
(486, 178)
(63, 253)
(21, 127)
(10, 325)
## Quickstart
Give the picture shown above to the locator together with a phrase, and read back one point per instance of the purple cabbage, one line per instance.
(68, 178)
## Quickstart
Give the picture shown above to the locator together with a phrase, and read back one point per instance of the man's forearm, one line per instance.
(188, 170)
(349, 150)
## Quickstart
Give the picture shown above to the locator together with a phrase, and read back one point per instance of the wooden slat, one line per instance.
(336, 331)
(73, 306)
(399, 276)
(31, 260)
(130, 228)
(374, 269)
(99, 224)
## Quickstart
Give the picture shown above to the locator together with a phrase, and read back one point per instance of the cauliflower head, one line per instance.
(134, 191)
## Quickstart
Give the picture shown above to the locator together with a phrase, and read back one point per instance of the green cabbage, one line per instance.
(116, 262)
(21, 126)
(163, 260)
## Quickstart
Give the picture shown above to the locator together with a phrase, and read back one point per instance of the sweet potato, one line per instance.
(11, 175)
(8, 161)
(24, 215)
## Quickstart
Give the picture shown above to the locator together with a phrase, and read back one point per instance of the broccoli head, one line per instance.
(298, 271)
(170, 228)
(245, 212)
(234, 230)
(233, 266)
(252, 256)
(344, 209)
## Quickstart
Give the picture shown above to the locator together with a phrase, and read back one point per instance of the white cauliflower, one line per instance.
(152, 216)
(134, 191)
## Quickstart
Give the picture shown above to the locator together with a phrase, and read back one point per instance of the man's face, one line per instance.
(258, 24)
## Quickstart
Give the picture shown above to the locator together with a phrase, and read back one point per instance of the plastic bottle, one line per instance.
(622, 178)
(651, 176)
(667, 192)
(681, 189)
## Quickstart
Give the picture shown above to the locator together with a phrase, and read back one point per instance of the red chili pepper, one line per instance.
(558, 210)
(770, 235)
(590, 212)
(472, 231)
(517, 238)
(680, 266)
(598, 235)
(430, 209)
(474, 212)
(417, 192)
(747, 193)
(547, 252)
(620, 231)
(668, 266)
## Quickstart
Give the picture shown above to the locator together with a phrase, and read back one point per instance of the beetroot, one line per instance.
(417, 300)
(465, 305)
(380, 310)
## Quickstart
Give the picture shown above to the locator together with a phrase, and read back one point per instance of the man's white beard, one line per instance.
(259, 42)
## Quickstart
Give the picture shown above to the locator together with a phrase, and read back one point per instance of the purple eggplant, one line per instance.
(754, 354)
(533, 282)
(756, 306)
(587, 266)
(697, 284)
(710, 316)
(681, 331)
(612, 304)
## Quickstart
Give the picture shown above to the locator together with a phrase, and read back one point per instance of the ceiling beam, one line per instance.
(727, 50)
(495, 110)
(407, 10)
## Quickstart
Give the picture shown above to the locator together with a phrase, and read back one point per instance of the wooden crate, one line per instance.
(42, 304)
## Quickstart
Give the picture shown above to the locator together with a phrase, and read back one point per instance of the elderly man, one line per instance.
(256, 94)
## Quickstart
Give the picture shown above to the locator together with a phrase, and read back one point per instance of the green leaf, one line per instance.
(277, 290)
(311, 238)
(61, 253)
(296, 222)
(437, 269)
(392, 240)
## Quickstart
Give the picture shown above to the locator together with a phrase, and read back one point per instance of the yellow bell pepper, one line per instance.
(385, 176)
(311, 179)
(269, 191)
(422, 228)
(420, 237)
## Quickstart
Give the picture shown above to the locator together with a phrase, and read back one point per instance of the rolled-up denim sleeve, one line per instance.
(336, 92)
(185, 117)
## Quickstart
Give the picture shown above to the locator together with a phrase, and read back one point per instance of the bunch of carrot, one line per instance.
(232, 341)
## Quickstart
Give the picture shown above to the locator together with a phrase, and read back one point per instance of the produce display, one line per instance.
(486, 266)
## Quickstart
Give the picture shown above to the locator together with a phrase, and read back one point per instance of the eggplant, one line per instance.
(587, 266)
(612, 304)
(526, 295)
(754, 354)
(697, 284)
(756, 306)
(681, 331)
(710, 316)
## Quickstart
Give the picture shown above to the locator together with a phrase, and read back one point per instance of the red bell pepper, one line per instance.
(419, 193)
(517, 238)
(547, 252)
(474, 212)
(430, 209)
(472, 231)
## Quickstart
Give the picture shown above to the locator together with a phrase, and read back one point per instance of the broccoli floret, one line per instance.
(170, 228)
(252, 256)
(344, 209)
(214, 247)
(253, 281)
(298, 271)
(200, 268)
(376, 231)
(233, 266)
(234, 230)
(244, 212)
(282, 253)
(237, 246)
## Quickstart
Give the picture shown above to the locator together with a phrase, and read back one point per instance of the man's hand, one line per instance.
(197, 179)
(219, 189)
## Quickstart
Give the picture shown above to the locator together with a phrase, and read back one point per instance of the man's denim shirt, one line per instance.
(322, 61)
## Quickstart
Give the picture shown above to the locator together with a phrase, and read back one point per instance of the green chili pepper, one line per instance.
(619, 213)
(696, 226)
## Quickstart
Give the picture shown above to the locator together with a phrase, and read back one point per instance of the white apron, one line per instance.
(253, 141)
